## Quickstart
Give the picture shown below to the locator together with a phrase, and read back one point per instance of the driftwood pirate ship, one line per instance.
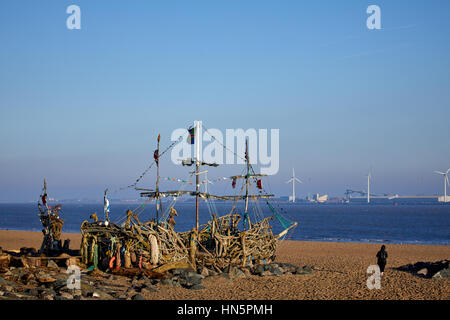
(232, 239)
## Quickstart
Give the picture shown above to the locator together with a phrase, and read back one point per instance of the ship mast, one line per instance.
(45, 195)
(158, 199)
(247, 176)
(197, 171)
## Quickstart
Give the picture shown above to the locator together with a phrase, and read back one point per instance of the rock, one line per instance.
(287, 267)
(27, 277)
(304, 270)
(4, 260)
(112, 277)
(247, 272)
(444, 273)
(60, 284)
(11, 295)
(88, 290)
(52, 264)
(138, 297)
(181, 271)
(33, 291)
(149, 289)
(196, 287)
(44, 278)
(237, 273)
(7, 273)
(5, 282)
(271, 267)
(169, 283)
(265, 273)
(66, 295)
(212, 273)
(423, 272)
(7, 288)
(47, 295)
(192, 278)
(278, 271)
(259, 268)
(225, 275)
(99, 295)
(18, 262)
(204, 272)
(149, 282)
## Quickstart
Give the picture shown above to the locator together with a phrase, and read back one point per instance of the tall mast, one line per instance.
(197, 169)
(45, 195)
(368, 188)
(158, 201)
(247, 175)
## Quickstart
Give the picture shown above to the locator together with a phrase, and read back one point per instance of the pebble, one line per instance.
(197, 287)
(138, 297)
(52, 264)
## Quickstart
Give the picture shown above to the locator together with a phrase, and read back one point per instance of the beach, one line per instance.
(339, 272)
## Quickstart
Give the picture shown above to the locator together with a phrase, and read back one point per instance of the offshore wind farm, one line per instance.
(366, 194)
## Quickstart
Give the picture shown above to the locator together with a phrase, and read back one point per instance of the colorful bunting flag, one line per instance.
(191, 137)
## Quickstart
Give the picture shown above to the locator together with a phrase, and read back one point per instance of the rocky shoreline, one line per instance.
(338, 271)
(50, 282)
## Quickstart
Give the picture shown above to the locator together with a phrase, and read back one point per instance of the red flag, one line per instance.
(159, 137)
(44, 199)
(233, 183)
(156, 155)
(259, 184)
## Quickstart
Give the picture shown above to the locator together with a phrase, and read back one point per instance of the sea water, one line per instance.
(409, 222)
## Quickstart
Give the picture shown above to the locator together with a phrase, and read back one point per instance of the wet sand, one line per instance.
(340, 272)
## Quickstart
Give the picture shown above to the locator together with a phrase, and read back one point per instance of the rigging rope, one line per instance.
(285, 223)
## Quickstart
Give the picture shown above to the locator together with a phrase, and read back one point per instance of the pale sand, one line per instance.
(343, 274)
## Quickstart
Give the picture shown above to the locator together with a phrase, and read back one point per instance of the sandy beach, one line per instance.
(339, 272)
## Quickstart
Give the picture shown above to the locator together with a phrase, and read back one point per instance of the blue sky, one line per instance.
(83, 107)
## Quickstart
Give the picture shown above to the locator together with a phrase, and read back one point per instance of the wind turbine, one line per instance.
(206, 181)
(293, 180)
(445, 174)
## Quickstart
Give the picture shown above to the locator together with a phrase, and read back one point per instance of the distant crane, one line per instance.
(445, 174)
(293, 180)
(349, 192)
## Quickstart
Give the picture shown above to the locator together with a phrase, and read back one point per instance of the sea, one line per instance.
(404, 221)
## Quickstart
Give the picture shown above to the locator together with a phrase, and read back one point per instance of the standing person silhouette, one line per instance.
(382, 258)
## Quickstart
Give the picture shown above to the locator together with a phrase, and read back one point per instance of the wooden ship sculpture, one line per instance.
(155, 246)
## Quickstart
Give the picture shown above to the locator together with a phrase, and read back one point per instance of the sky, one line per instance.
(82, 108)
